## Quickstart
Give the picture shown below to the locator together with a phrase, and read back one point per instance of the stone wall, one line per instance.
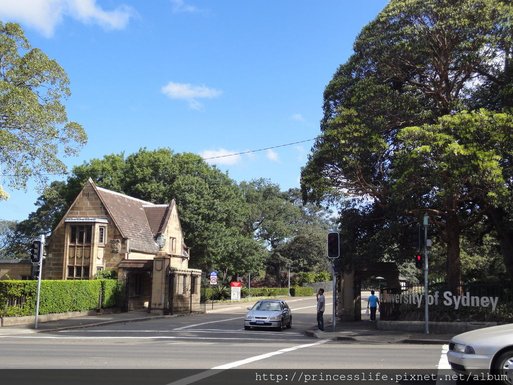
(15, 269)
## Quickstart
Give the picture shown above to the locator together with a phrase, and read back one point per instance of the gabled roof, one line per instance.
(137, 220)
(129, 215)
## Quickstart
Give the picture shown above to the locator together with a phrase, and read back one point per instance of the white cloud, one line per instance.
(190, 93)
(45, 15)
(88, 12)
(297, 117)
(272, 155)
(180, 6)
(221, 156)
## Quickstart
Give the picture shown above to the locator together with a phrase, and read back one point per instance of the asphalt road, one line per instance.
(209, 341)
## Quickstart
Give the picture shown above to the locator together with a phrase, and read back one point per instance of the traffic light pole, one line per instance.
(426, 270)
(40, 263)
(333, 254)
(334, 312)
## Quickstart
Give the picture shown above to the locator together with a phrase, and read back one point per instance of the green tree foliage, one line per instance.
(211, 206)
(7, 228)
(230, 228)
(34, 127)
(396, 136)
(294, 235)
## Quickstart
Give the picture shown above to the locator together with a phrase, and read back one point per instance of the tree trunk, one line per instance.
(505, 236)
(452, 231)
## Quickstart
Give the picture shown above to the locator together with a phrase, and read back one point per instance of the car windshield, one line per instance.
(268, 306)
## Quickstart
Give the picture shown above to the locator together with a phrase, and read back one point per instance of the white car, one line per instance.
(489, 349)
(269, 313)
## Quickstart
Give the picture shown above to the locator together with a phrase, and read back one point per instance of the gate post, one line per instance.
(159, 293)
(348, 296)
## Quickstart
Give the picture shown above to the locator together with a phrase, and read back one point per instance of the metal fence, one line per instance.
(468, 303)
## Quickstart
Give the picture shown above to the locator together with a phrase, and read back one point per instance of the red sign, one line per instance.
(236, 284)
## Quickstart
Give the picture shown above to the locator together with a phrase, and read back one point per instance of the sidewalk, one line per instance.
(80, 322)
(367, 332)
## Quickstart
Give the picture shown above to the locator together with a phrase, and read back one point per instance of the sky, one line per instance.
(211, 77)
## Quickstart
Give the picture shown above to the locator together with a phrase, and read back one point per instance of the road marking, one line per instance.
(266, 355)
(206, 323)
(217, 369)
(444, 363)
(160, 333)
(148, 338)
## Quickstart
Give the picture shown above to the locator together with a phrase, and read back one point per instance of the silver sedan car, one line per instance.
(269, 313)
(489, 349)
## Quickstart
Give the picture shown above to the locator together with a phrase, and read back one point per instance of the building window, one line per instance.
(102, 235)
(172, 242)
(78, 272)
(79, 251)
(80, 234)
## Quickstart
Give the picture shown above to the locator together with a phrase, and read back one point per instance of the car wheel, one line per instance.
(504, 366)
(280, 326)
(247, 327)
(289, 325)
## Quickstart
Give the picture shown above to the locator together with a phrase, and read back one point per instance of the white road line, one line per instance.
(152, 338)
(207, 323)
(220, 368)
(266, 355)
(444, 363)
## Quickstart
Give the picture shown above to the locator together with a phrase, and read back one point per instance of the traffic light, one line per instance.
(333, 245)
(35, 271)
(35, 251)
(419, 261)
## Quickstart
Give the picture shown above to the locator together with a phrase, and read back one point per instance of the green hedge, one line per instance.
(18, 298)
(302, 291)
(312, 277)
(218, 293)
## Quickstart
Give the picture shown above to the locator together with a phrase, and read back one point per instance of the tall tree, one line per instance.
(34, 127)
(417, 62)
(294, 234)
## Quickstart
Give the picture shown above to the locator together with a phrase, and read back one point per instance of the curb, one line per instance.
(365, 338)
(88, 325)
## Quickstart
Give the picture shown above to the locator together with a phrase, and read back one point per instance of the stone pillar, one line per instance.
(159, 291)
(347, 297)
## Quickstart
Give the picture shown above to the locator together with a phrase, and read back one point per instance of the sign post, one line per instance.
(213, 278)
(235, 292)
(40, 265)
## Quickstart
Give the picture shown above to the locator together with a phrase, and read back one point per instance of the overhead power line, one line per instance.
(211, 157)
(257, 150)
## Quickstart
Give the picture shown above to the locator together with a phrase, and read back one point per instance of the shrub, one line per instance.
(18, 298)
(301, 291)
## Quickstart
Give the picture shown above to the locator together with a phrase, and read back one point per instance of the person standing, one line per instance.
(321, 304)
(373, 303)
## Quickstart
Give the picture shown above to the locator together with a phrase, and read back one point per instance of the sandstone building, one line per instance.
(141, 241)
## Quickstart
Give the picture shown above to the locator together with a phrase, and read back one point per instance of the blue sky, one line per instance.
(209, 77)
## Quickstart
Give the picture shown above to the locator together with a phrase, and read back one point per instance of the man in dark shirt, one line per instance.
(321, 304)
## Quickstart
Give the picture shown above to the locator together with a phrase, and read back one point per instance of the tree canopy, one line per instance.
(34, 127)
(252, 227)
(409, 126)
